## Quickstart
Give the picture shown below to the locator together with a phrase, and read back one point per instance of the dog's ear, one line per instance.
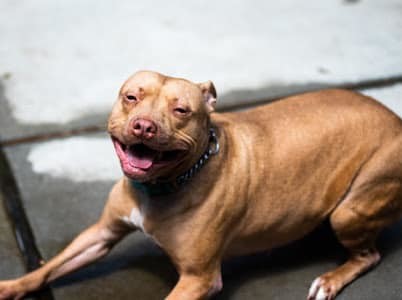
(209, 92)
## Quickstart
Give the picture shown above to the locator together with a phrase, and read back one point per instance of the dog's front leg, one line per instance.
(196, 287)
(89, 246)
(92, 244)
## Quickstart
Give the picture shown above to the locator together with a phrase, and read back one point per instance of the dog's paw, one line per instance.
(11, 290)
(322, 289)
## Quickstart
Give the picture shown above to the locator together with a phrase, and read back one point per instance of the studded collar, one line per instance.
(163, 188)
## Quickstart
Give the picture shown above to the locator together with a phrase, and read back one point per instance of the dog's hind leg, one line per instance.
(373, 202)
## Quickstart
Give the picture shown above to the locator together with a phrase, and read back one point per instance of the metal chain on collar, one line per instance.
(213, 148)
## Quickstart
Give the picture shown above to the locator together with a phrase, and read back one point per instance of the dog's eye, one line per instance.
(131, 98)
(181, 111)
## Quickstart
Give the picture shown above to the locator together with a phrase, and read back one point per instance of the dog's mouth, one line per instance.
(139, 159)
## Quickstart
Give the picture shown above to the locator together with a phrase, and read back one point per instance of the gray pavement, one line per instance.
(61, 64)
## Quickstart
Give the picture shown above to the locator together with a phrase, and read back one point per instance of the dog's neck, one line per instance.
(159, 188)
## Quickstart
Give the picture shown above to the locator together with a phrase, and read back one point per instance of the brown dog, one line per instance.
(209, 186)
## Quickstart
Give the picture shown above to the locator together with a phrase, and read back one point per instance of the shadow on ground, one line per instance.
(317, 249)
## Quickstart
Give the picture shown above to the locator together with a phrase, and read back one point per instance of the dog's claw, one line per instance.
(10, 289)
(321, 290)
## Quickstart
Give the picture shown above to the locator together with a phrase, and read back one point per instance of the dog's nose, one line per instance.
(144, 128)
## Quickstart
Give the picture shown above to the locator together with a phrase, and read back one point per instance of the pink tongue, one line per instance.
(143, 161)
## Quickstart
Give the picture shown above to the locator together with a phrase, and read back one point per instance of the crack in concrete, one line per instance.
(253, 98)
(278, 91)
(22, 229)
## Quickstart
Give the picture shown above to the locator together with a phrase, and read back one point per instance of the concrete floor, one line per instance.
(62, 63)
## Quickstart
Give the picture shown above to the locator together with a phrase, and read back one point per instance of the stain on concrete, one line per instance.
(6, 75)
(11, 128)
(323, 70)
(351, 1)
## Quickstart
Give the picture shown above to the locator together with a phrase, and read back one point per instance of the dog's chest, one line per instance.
(135, 219)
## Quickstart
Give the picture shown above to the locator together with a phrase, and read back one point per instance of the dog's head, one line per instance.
(160, 125)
